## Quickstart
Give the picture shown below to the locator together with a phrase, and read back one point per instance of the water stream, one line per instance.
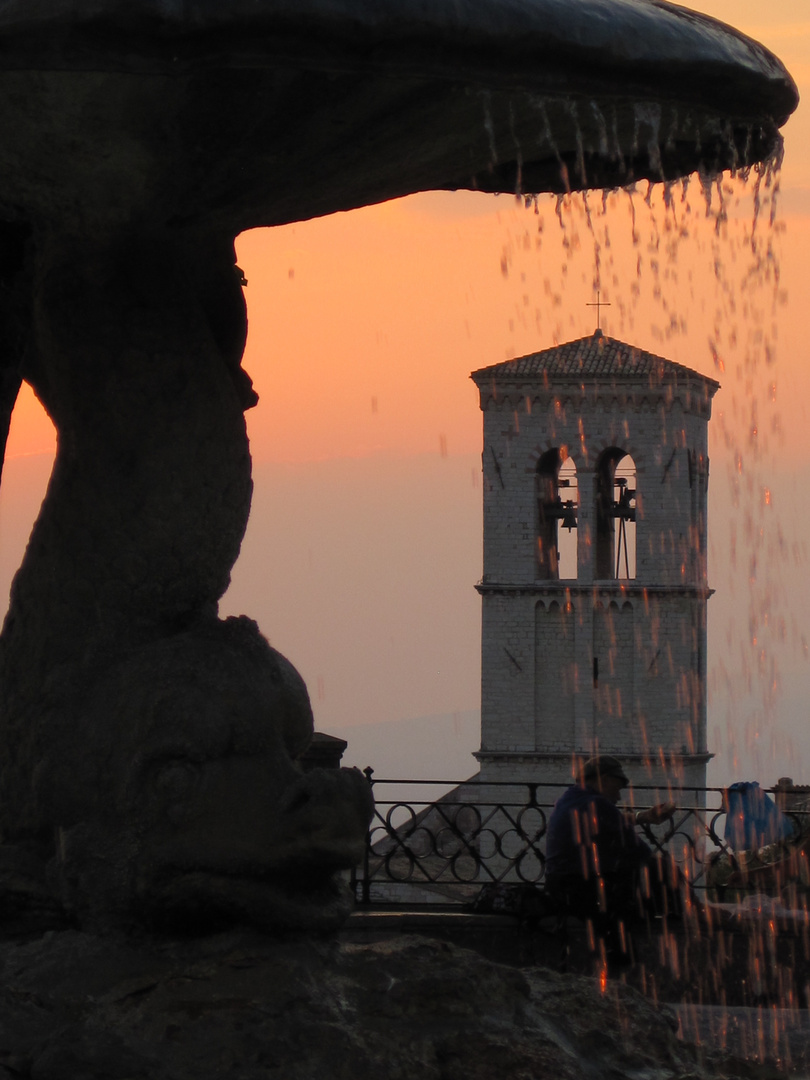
(690, 270)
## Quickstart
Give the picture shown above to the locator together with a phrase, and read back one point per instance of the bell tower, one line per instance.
(594, 587)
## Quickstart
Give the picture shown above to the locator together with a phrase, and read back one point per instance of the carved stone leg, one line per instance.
(119, 683)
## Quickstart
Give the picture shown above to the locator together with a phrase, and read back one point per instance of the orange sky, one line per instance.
(399, 302)
(364, 328)
(390, 308)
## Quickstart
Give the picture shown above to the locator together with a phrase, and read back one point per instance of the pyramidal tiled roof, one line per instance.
(594, 357)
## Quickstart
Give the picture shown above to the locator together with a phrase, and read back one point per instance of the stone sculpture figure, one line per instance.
(147, 748)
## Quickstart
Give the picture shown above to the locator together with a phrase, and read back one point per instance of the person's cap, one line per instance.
(604, 766)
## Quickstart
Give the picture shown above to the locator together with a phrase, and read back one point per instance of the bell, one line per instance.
(568, 520)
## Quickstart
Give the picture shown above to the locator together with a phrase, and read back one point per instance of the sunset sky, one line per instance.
(364, 545)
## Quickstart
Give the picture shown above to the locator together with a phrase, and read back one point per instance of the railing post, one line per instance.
(368, 772)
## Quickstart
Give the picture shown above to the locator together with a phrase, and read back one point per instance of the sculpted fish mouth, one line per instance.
(300, 870)
(204, 901)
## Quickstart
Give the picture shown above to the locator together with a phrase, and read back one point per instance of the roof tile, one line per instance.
(591, 357)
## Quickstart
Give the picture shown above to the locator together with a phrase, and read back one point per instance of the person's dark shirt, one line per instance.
(587, 834)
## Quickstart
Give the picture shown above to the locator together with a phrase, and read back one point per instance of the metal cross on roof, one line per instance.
(598, 305)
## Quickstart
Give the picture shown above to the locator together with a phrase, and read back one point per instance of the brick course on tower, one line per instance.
(594, 640)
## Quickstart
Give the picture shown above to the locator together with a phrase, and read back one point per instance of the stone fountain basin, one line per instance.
(253, 113)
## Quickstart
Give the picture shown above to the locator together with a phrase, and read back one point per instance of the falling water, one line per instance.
(691, 270)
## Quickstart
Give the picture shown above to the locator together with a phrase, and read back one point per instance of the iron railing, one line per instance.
(440, 842)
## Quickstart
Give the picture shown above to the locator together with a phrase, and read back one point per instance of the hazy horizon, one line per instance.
(338, 592)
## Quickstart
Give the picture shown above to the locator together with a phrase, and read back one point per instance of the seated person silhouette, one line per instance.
(598, 868)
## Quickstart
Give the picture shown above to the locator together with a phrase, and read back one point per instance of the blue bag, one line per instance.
(753, 819)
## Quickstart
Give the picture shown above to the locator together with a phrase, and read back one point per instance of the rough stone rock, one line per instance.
(79, 1007)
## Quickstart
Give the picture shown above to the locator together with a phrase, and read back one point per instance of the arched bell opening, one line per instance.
(615, 515)
(556, 499)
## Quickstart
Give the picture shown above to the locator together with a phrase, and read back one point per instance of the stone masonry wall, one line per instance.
(556, 676)
(540, 636)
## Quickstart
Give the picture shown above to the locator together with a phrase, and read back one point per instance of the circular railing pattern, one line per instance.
(500, 836)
